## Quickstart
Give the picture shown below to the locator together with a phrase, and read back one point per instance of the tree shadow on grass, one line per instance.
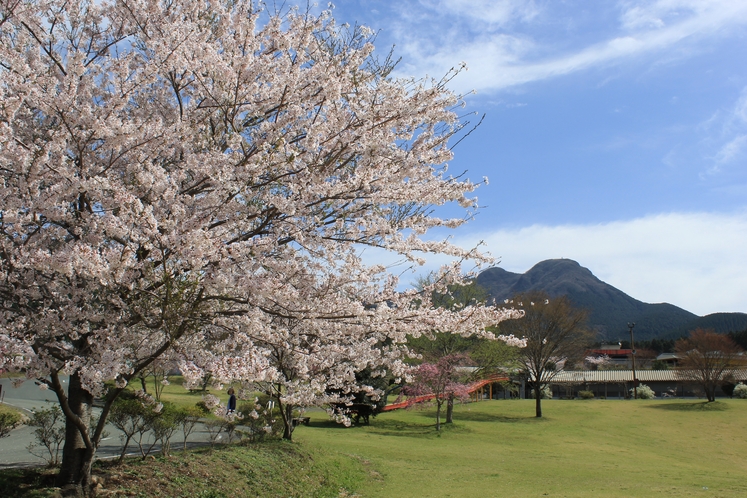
(24, 481)
(700, 406)
(489, 417)
(399, 428)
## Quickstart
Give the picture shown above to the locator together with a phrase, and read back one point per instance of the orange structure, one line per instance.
(476, 390)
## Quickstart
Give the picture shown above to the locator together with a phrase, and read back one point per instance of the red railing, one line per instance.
(425, 397)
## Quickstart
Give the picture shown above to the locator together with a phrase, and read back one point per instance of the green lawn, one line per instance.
(8, 409)
(597, 448)
(581, 448)
(175, 392)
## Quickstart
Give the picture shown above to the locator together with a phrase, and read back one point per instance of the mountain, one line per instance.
(609, 308)
(720, 322)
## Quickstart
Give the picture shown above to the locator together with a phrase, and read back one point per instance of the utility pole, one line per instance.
(632, 356)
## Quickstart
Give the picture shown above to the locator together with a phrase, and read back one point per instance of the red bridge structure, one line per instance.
(476, 390)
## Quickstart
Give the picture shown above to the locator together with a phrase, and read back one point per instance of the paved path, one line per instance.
(29, 397)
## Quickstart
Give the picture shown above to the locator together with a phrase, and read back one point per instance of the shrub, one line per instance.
(188, 417)
(546, 393)
(261, 420)
(586, 395)
(644, 392)
(8, 420)
(127, 415)
(49, 434)
(163, 424)
(203, 407)
(740, 391)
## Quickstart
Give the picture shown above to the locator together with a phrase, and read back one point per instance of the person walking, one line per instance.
(231, 400)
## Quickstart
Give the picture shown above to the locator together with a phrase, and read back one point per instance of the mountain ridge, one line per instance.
(610, 309)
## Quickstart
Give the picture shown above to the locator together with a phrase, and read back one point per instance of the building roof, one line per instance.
(619, 376)
(612, 352)
(667, 356)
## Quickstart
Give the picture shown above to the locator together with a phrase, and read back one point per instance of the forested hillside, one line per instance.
(610, 309)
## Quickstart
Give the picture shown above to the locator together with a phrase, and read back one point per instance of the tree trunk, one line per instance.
(537, 400)
(450, 409)
(127, 443)
(76, 457)
(439, 402)
(287, 413)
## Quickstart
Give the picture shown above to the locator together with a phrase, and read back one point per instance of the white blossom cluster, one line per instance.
(194, 181)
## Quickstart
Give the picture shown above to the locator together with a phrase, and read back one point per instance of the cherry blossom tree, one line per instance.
(313, 361)
(597, 362)
(433, 346)
(437, 382)
(194, 180)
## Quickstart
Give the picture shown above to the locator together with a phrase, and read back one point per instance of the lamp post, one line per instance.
(632, 347)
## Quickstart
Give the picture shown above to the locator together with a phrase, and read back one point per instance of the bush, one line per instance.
(546, 393)
(49, 434)
(163, 425)
(644, 392)
(203, 407)
(188, 417)
(128, 415)
(586, 395)
(8, 420)
(740, 391)
(261, 420)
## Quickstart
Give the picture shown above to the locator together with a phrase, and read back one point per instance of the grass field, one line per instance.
(581, 448)
(591, 448)
(175, 392)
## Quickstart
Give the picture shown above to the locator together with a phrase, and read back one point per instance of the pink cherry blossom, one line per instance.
(192, 183)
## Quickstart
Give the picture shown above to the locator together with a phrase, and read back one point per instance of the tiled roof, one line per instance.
(612, 352)
(611, 376)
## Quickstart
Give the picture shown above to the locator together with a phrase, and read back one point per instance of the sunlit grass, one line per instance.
(495, 448)
(175, 392)
(581, 448)
(8, 409)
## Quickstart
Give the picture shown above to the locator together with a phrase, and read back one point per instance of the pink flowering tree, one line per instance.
(313, 361)
(185, 179)
(597, 362)
(438, 383)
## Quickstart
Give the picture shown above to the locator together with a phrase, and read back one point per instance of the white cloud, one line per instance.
(726, 133)
(500, 54)
(693, 260)
(492, 12)
(732, 149)
(657, 14)
(740, 107)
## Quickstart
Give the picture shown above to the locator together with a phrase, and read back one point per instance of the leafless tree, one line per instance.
(707, 358)
(555, 333)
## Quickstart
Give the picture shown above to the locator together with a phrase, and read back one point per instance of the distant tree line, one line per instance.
(659, 346)
(740, 338)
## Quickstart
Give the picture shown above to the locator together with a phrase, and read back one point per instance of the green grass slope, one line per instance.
(593, 448)
(581, 449)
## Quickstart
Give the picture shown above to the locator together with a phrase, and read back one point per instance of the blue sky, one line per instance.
(615, 133)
